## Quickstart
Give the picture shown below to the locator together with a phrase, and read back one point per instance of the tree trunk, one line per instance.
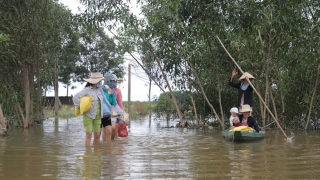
(263, 115)
(149, 101)
(56, 91)
(39, 92)
(194, 109)
(312, 98)
(274, 104)
(220, 103)
(2, 122)
(31, 84)
(26, 93)
(283, 108)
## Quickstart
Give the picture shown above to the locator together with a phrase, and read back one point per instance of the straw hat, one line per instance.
(246, 74)
(94, 78)
(245, 108)
(234, 109)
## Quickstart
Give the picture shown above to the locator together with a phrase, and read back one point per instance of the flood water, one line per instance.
(55, 150)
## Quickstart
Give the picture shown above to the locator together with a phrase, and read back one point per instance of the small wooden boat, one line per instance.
(242, 136)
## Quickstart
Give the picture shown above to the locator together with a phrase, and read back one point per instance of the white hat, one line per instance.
(234, 109)
(94, 78)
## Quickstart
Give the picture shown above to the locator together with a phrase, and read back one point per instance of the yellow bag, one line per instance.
(242, 129)
(85, 104)
(76, 110)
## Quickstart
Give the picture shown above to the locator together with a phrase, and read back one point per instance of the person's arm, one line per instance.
(235, 85)
(255, 125)
(76, 97)
(231, 120)
(233, 73)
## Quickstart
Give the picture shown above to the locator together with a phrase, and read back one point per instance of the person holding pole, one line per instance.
(244, 89)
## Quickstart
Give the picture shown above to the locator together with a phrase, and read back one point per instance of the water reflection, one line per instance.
(92, 163)
(55, 150)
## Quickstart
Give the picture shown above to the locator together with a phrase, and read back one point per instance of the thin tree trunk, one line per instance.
(274, 104)
(149, 101)
(39, 91)
(283, 108)
(26, 93)
(2, 122)
(56, 91)
(31, 84)
(312, 98)
(263, 116)
(220, 104)
(194, 109)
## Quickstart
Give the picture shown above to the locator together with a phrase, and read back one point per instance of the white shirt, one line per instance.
(231, 119)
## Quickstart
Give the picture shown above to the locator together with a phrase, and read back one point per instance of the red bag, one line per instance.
(122, 129)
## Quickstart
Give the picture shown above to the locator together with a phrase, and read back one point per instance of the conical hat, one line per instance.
(246, 74)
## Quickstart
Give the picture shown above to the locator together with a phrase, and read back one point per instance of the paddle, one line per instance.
(275, 119)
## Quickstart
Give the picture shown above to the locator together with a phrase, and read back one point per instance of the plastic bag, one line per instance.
(85, 104)
(122, 129)
(126, 117)
(116, 110)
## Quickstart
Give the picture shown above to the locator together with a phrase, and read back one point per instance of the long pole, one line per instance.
(129, 92)
(275, 119)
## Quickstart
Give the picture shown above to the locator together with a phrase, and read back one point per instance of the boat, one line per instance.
(234, 135)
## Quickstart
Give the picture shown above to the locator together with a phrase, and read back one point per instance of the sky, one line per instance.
(139, 80)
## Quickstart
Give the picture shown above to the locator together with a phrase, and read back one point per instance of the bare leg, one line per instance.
(107, 131)
(88, 138)
(114, 130)
(103, 134)
(96, 139)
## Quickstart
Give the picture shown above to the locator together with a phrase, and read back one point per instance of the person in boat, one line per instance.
(247, 120)
(244, 89)
(234, 119)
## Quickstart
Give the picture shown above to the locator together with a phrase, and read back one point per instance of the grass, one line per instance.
(66, 111)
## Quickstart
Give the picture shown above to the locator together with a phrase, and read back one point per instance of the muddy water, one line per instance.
(56, 150)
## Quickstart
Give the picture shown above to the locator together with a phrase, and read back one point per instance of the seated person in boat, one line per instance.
(234, 119)
(248, 120)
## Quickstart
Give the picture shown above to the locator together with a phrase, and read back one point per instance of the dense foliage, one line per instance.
(43, 43)
(175, 43)
(276, 41)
